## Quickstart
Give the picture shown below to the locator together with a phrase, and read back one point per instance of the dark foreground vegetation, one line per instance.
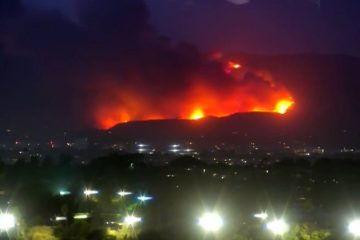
(317, 198)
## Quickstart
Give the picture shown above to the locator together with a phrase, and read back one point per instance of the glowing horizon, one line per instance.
(241, 89)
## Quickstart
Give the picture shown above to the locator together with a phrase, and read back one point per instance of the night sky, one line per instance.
(255, 26)
(63, 63)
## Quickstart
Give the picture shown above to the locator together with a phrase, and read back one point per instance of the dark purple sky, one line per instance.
(258, 26)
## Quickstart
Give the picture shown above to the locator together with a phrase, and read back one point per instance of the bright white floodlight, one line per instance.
(80, 216)
(7, 221)
(263, 216)
(354, 228)
(278, 227)
(131, 220)
(144, 198)
(211, 222)
(64, 193)
(60, 218)
(124, 193)
(89, 192)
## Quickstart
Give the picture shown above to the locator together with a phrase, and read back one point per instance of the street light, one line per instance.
(211, 222)
(278, 227)
(131, 220)
(263, 216)
(80, 216)
(7, 221)
(124, 193)
(89, 192)
(64, 193)
(354, 228)
(144, 198)
(60, 218)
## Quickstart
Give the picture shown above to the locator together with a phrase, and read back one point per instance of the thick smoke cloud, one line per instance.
(111, 66)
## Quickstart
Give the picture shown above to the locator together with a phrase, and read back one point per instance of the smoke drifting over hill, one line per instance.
(112, 66)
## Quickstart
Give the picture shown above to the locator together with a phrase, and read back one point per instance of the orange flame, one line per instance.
(197, 114)
(231, 66)
(202, 98)
(283, 106)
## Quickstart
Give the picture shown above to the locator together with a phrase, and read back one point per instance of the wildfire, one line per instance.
(197, 114)
(283, 106)
(202, 97)
(234, 65)
(231, 66)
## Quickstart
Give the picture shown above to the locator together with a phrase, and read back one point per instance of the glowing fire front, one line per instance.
(201, 98)
(197, 114)
(283, 106)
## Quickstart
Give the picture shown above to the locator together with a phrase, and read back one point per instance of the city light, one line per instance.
(64, 193)
(124, 193)
(278, 227)
(89, 192)
(7, 221)
(354, 228)
(211, 222)
(60, 218)
(81, 216)
(262, 216)
(131, 220)
(144, 198)
(141, 150)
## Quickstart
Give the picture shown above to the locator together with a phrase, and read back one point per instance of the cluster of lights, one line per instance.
(178, 149)
(211, 222)
(143, 148)
(174, 148)
(77, 216)
(123, 193)
(277, 227)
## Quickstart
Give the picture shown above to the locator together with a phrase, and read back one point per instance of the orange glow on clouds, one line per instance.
(199, 99)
